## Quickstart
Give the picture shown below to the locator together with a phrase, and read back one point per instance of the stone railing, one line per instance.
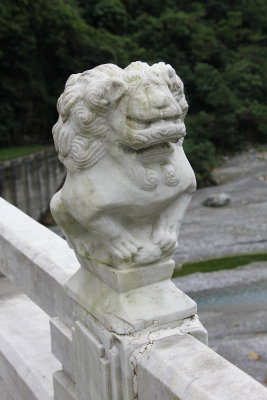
(163, 361)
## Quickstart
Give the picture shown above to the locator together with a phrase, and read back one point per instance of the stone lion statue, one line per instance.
(128, 184)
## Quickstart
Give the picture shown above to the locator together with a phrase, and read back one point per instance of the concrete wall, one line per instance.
(29, 182)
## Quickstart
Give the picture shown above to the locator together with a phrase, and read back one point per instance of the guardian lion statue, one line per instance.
(128, 184)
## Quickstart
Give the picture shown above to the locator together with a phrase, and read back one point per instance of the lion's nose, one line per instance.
(158, 99)
(163, 100)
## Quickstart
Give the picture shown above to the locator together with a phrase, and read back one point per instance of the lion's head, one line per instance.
(133, 113)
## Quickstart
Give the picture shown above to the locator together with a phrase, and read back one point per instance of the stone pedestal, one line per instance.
(126, 301)
(97, 361)
(120, 135)
(114, 318)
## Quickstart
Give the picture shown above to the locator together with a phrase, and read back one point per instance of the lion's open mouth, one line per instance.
(140, 124)
(145, 135)
(160, 152)
(164, 147)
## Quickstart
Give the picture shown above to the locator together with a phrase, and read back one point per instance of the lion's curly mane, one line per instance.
(81, 126)
(80, 131)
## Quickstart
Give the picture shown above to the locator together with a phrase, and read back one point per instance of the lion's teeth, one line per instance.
(138, 125)
(140, 139)
(133, 124)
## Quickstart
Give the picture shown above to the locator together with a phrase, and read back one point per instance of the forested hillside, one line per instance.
(217, 47)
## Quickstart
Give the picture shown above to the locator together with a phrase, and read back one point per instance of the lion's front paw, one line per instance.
(132, 251)
(148, 254)
(125, 249)
(166, 239)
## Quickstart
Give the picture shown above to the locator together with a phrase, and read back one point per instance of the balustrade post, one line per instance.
(120, 135)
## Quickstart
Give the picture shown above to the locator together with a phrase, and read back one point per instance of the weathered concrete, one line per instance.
(183, 368)
(29, 182)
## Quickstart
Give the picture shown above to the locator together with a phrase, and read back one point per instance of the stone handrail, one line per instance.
(181, 367)
(35, 259)
(155, 362)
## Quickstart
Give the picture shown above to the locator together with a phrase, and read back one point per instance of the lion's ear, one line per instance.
(115, 89)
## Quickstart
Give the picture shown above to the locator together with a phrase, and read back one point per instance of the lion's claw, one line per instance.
(125, 249)
(166, 240)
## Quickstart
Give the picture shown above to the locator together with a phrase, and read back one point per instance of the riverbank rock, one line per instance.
(217, 200)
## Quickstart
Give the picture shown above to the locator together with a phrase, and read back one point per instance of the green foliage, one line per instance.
(218, 49)
(14, 152)
(202, 158)
(107, 14)
(218, 264)
(42, 43)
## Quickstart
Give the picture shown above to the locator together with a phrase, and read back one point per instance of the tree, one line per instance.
(218, 49)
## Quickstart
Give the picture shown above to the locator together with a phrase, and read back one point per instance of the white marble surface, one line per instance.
(63, 387)
(29, 253)
(120, 134)
(26, 362)
(37, 260)
(133, 310)
(5, 395)
(183, 368)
